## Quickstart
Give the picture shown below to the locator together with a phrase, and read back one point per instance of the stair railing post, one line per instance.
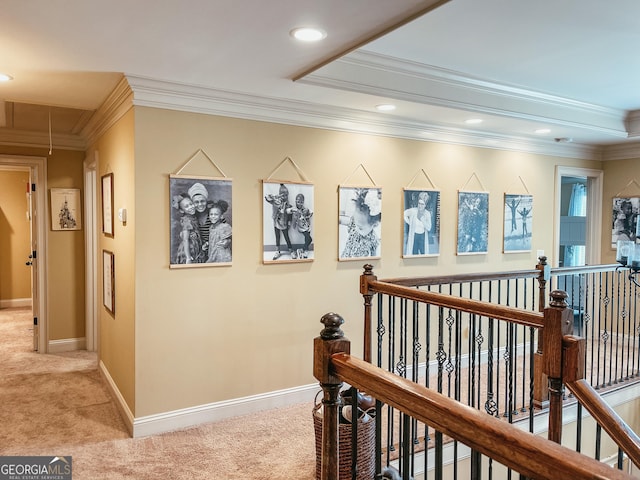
(558, 322)
(330, 341)
(365, 278)
(540, 381)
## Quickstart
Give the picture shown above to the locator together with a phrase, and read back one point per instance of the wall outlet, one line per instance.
(539, 253)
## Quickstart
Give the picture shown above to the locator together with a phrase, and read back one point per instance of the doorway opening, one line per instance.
(578, 217)
(37, 215)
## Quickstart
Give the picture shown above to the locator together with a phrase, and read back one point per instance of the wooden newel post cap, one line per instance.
(558, 299)
(330, 341)
(332, 322)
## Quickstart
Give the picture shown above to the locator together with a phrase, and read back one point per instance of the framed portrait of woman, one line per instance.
(201, 221)
(359, 223)
(421, 223)
(287, 222)
(473, 223)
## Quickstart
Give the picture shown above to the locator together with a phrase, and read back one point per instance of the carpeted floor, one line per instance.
(57, 404)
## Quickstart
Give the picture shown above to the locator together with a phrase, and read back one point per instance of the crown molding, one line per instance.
(622, 151)
(117, 103)
(380, 75)
(26, 138)
(154, 93)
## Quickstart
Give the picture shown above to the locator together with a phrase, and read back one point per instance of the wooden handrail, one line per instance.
(607, 418)
(500, 312)
(461, 278)
(524, 452)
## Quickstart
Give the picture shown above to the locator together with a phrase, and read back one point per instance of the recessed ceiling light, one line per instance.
(543, 130)
(5, 78)
(473, 121)
(308, 34)
(385, 107)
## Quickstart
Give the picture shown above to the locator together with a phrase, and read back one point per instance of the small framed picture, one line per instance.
(65, 209)
(421, 223)
(473, 223)
(201, 221)
(624, 222)
(359, 223)
(287, 222)
(107, 204)
(108, 281)
(518, 219)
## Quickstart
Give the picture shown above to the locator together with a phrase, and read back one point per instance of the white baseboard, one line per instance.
(15, 303)
(123, 408)
(211, 412)
(66, 345)
(189, 417)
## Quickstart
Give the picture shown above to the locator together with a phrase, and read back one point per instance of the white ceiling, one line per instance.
(568, 65)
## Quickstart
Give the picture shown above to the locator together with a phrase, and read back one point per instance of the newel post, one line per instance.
(330, 341)
(558, 322)
(365, 278)
(540, 384)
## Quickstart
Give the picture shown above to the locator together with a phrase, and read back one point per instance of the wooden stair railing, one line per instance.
(529, 454)
(605, 416)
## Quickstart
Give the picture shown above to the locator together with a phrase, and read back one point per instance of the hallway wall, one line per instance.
(65, 260)
(221, 333)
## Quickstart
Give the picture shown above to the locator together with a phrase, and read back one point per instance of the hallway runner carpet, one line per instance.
(58, 404)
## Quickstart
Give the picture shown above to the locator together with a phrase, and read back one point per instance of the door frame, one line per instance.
(594, 212)
(38, 168)
(91, 252)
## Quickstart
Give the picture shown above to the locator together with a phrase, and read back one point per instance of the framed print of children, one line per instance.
(359, 219)
(287, 222)
(200, 209)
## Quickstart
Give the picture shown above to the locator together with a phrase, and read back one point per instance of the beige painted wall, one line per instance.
(15, 238)
(117, 331)
(65, 261)
(220, 333)
(621, 178)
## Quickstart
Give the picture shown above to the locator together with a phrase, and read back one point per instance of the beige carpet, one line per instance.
(57, 404)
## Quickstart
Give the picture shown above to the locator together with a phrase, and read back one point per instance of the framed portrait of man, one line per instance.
(421, 223)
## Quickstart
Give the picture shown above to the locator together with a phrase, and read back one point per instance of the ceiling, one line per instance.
(569, 66)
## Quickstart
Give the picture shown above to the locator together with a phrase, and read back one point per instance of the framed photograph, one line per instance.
(518, 219)
(65, 209)
(107, 204)
(108, 281)
(624, 221)
(201, 221)
(359, 223)
(421, 223)
(287, 222)
(473, 223)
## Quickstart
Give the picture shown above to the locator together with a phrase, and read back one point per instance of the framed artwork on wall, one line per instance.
(473, 223)
(287, 221)
(359, 223)
(107, 204)
(201, 221)
(66, 211)
(108, 281)
(518, 219)
(421, 223)
(624, 221)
